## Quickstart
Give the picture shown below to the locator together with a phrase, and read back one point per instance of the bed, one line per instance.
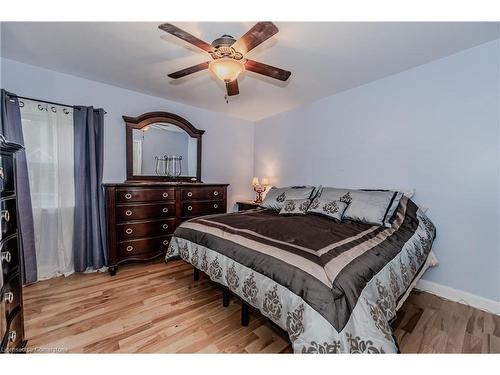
(333, 287)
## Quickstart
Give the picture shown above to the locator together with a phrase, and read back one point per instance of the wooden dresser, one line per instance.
(141, 216)
(11, 298)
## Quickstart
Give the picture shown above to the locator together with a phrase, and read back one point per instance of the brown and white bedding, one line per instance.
(334, 287)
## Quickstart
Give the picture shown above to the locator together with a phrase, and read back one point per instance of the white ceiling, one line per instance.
(324, 58)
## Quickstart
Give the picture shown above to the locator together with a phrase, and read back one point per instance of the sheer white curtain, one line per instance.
(48, 136)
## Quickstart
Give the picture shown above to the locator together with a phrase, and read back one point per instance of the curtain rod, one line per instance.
(47, 102)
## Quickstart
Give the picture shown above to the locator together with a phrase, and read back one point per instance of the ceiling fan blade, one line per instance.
(179, 33)
(190, 70)
(232, 88)
(267, 70)
(255, 36)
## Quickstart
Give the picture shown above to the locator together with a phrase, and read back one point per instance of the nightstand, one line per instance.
(246, 205)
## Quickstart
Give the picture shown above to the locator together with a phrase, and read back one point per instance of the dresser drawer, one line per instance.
(6, 173)
(9, 255)
(144, 195)
(202, 193)
(8, 216)
(145, 211)
(148, 228)
(14, 333)
(11, 294)
(143, 246)
(201, 208)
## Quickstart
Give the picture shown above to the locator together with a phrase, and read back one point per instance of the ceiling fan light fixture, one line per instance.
(226, 69)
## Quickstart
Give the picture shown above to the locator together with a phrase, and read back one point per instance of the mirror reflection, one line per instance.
(162, 149)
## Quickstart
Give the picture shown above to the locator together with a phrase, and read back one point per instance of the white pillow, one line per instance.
(409, 193)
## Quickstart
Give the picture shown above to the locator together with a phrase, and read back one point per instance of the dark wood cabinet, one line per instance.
(141, 216)
(145, 195)
(8, 216)
(138, 211)
(6, 178)
(11, 297)
(193, 208)
(211, 193)
(10, 255)
(146, 228)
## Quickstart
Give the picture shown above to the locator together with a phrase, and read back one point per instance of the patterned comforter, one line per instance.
(334, 287)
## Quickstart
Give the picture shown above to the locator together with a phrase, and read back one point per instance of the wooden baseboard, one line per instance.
(459, 296)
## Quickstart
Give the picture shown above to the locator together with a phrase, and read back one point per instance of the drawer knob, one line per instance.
(12, 336)
(165, 242)
(165, 226)
(6, 256)
(8, 297)
(128, 196)
(165, 209)
(190, 194)
(129, 248)
(216, 205)
(165, 195)
(190, 208)
(128, 230)
(6, 215)
(128, 212)
(2, 175)
(216, 193)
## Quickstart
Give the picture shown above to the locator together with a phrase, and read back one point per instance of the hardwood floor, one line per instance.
(159, 308)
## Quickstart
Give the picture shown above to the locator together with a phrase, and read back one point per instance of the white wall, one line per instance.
(227, 143)
(434, 128)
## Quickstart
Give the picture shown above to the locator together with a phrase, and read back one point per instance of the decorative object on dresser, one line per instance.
(246, 205)
(143, 212)
(11, 300)
(259, 188)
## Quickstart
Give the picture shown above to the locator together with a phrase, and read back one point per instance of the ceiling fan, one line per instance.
(228, 55)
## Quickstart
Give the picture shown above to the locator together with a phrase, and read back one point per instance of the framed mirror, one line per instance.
(162, 146)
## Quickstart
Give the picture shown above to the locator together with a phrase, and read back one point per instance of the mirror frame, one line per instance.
(151, 118)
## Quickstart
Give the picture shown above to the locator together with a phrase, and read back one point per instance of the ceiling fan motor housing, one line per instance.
(223, 48)
(224, 41)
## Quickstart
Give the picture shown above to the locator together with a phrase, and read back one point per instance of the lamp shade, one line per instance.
(265, 181)
(255, 181)
(226, 69)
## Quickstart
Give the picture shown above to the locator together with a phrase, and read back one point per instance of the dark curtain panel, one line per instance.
(12, 130)
(89, 241)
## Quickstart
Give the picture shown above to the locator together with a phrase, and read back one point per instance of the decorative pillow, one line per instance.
(366, 206)
(332, 209)
(406, 192)
(409, 193)
(316, 191)
(392, 208)
(275, 197)
(295, 207)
